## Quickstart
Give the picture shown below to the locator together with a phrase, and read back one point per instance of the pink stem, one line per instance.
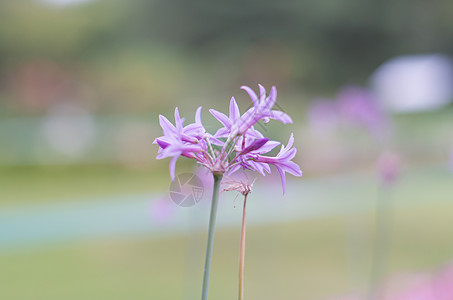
(242, 253)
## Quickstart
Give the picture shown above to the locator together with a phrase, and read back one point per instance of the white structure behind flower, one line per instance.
(414, 83)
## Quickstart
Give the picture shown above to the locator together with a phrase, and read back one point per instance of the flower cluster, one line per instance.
(430, 286)
(353, 105)
(234, 146)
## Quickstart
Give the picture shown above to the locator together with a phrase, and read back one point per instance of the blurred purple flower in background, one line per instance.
(438, 286)
(434, 287)
(323, 116)
(162, 210)
(389, 167)
(443, 284)
(353, 105)
(358, 106)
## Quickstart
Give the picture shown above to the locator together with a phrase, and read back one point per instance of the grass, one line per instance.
(28, 185)
(298, 260)
(308, 259)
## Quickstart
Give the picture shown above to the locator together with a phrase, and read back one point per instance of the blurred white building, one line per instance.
(414, 83)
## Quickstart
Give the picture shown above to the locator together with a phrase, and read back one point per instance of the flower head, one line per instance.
(234, 146)
(178, 140)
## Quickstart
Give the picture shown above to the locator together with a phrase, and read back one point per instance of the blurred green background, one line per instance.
(84, 212)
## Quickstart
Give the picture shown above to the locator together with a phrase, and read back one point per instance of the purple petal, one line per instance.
(172, 167)
(191, 148)
(266, 167)
(282, 176)
(251, 94)
(198, 116)
(189, 139)
(234, 110)
(234, 169)
(167, 127)
(269, 146)
(293, 168)
(215, 141)
(290, 141)
(162, 144)
(285, 149)
(272, 97)
(177, 149)
(267, 159)
(221, 117)
(178, 121)
(222, 133)
(262, 92)
(248, 119)
(257, 144)
(252, 132)
(281, 116)
(262, 166)
(194, 130)
(257, 167)
(287, 155)
(170, 151)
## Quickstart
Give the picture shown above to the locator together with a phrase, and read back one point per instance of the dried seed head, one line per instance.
(242, 187)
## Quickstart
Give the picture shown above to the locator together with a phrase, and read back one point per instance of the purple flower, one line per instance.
(227, 122)
(358, 104)
(161, 210)
(354, 105)
(234, 146)
(256, 145)
(282, 162)
(254, 160)
(247, 155)
(262, 109)
(389, 167)
(231, 123)
(421, 287)
(323, 115)
(178, 140)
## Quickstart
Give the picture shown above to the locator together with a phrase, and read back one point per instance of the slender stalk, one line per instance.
(211, 153)
(382, 239)
(210, 242)
(242, 252)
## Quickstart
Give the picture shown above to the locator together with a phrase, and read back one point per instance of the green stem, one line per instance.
(210, 242)
(382, 239)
